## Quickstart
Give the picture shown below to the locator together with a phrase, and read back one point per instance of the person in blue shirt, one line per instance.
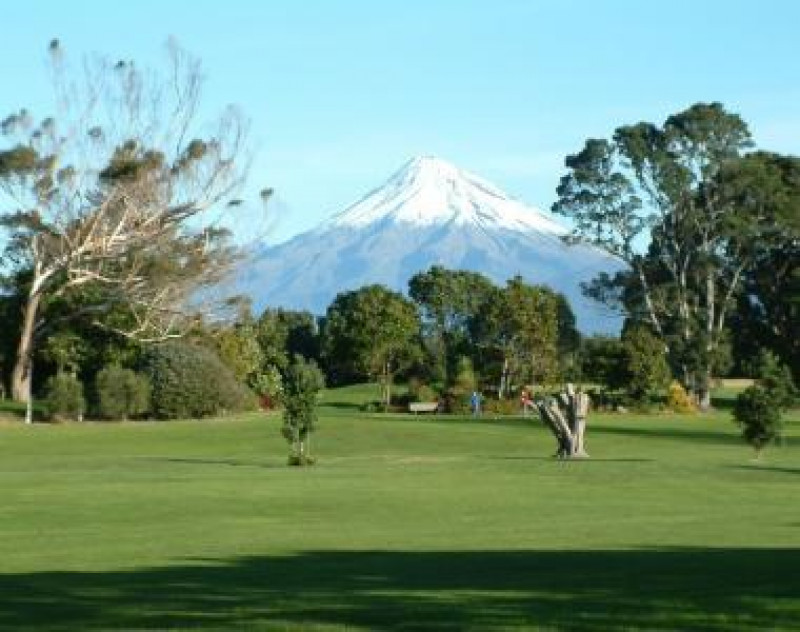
(475, 403)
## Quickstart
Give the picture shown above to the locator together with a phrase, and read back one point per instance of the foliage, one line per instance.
(268, 385)
(191, 381)
(420, 392)
(662, 200)
(678, 399)
(465, 380)
(370, 332)
(776, 379)
(108, 202)
(238, 348)
(769, 305)
(302, 383)
(645, 365)
(518, 328)
(602, 360)
(122, 393)
(448, 301)
(282, 333)
(759, 416)
(64, 397)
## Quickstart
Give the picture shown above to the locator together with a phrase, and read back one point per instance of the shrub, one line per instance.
(776, 379)
(268, 385)
(502, 406)
(759, 415)
(192, 382)
(646, 369)
(419, 392)
(678, 399)
(302, 382)
(64, 397)
(122, 393)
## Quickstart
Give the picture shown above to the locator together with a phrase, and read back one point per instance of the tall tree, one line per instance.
(520, 326)
(448, 299)
(769, 306)
(118, 195)
(652, 196)
(370, 332)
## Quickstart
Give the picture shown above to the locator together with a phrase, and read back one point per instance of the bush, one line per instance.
(122, 393)
(759, 415)
(302, 382)
(192, 382)
(64, 397)
(678, 400)
(419, 392)
(776, 379)
(268, 385)
(510, 406)
(645, 365)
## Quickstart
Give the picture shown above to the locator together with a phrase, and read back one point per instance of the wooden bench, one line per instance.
(423, 407)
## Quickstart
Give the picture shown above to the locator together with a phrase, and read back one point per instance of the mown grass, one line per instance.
(405, 523)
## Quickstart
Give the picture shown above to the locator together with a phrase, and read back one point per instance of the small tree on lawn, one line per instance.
(759, 416)
(302, 382)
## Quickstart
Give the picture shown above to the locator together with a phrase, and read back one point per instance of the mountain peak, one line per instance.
(428, 191)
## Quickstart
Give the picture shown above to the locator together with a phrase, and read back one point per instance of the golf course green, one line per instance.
(412, 523)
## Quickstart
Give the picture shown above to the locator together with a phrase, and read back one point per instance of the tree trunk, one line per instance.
(21, 375)
(501, 391)
(704, 390)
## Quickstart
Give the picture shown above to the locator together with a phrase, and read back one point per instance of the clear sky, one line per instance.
(342, 93)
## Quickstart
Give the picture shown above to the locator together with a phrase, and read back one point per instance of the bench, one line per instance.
(423, 407)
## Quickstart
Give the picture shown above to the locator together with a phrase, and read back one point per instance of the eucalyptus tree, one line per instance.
(448, 300)
(120, 195)
(657, 198)
(519, 325)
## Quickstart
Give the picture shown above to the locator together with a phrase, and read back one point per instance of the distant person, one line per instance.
(525, 401)
(475, 403)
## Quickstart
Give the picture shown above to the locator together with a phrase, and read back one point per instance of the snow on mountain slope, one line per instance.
(428, 213)
(428, 191)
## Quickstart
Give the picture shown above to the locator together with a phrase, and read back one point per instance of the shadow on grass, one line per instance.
(766, 468)
(555, 459)
(208, 461)
(693, 588)
(678, 434)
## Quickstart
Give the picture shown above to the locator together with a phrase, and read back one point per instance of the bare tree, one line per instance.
(123, 193)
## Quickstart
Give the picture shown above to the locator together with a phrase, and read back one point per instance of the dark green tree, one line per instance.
(519, 327)
(656, 197)
(448, 300)
(645, 370)
(759, 417)
(768, 308)
(370, 332)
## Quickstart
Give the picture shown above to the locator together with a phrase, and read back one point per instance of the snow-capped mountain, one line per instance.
(428, 213)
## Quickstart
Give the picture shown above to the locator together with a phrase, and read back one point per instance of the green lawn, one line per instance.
(405, 523)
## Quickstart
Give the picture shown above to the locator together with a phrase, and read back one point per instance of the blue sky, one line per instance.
(342, 93)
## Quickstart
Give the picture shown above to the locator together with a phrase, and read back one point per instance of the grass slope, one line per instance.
(406, 523)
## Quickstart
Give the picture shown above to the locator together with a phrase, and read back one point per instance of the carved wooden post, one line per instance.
(582, 403)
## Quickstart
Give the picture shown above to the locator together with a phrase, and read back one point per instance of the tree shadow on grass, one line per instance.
(692, 588)
(211, 461)
(767, 468)
(690, 434)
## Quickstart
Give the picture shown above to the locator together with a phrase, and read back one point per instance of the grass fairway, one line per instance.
(405, 523)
